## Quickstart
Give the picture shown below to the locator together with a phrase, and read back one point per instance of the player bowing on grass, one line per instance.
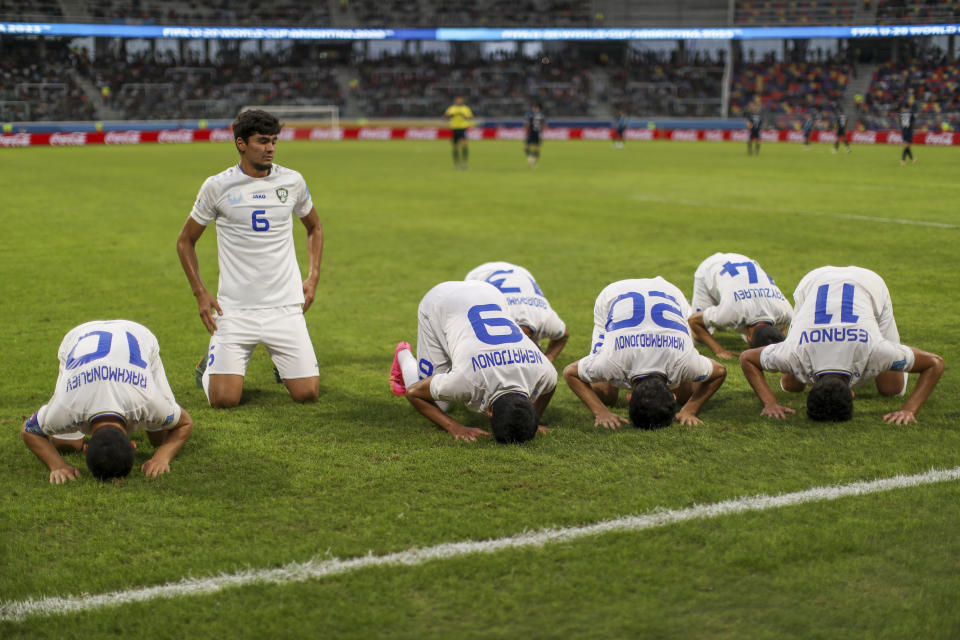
(260, 297)
(641, 342)
(843, 334)
(470, 351)
(731, 291)
(527, 305)
(111, 383)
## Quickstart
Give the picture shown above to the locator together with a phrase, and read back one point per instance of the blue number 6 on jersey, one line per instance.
(259, 220)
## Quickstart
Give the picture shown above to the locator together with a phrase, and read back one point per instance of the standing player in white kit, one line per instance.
(529, 308)
(732, 292)
(260, 296)
(843, 334)
(470, 351)
(111, 383)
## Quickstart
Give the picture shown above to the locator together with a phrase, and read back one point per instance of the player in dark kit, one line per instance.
(907, 121)
(808, 124)
(534, 126)
(620, 127)
(755, 123)
(841, 124)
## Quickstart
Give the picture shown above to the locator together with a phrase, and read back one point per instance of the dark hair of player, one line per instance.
(765, 334)
(830, 400)
(652, 405)
(109, 453)
(254, 121)
(513, 419)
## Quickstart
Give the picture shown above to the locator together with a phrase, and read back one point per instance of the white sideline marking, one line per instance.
(312, 569)
(800, 212)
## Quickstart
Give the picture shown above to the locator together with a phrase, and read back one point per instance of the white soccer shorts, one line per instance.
(282, 330)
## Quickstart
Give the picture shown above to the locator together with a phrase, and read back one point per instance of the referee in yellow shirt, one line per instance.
(460, 118)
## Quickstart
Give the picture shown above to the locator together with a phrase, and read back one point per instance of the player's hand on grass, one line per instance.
(543, 429)
(468, 433)
(776, 411)
(687, 419)
(609, 419)
(60, 475)
(900, 417)
(723, 354)
(206, 302)
(154, 467)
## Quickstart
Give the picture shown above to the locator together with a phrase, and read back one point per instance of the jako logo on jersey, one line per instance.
(259, 196)
(282, 194)
(234, 198)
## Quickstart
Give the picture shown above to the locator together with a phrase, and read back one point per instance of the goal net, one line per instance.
(324, 115)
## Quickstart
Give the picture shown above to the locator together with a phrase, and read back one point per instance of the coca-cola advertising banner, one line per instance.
(78, 139)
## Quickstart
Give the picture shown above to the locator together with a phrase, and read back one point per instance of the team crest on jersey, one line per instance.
(282, 194)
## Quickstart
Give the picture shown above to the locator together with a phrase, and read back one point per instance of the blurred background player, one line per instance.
(641, 343)
(470, 351)
(907, 121)
(460, 117)
(111, 383)
(755, 124)
(620, 128)
(842, 136)
(528, 306)
(534, 125)
(260, 297)
(732, 292)
(843, 334)
(808, 125)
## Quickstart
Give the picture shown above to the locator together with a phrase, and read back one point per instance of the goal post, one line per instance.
(323, 115)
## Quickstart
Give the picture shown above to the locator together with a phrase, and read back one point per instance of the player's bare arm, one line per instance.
(603, 417)
(314, 254)
(930, 366)
(555, 346)
(702, 334)
(753, 371)
(701, 393)
(187, 250)
(60, 470)
(419, 396)
(168, 445)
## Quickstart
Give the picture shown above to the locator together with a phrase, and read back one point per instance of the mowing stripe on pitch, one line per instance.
(313, 569)
(798, 212)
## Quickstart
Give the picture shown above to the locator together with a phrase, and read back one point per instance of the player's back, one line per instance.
(108, 366)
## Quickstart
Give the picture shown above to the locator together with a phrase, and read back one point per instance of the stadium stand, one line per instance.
(30, 10)
(653, 83)
(39, 81)
(930, 86)
(795, 12)
(786, 92)
(497, 86)
(922, 11)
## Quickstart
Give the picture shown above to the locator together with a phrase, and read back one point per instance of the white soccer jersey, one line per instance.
(734, 292)
(109, 367)
(640, 329)
(843, 323)
(528, 306)
(474, 350)
(254, 216)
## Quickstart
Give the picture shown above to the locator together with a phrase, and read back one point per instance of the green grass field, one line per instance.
(89, 233)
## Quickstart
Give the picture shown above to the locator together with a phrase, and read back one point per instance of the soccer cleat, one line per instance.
(396, 374)
(198, 371)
